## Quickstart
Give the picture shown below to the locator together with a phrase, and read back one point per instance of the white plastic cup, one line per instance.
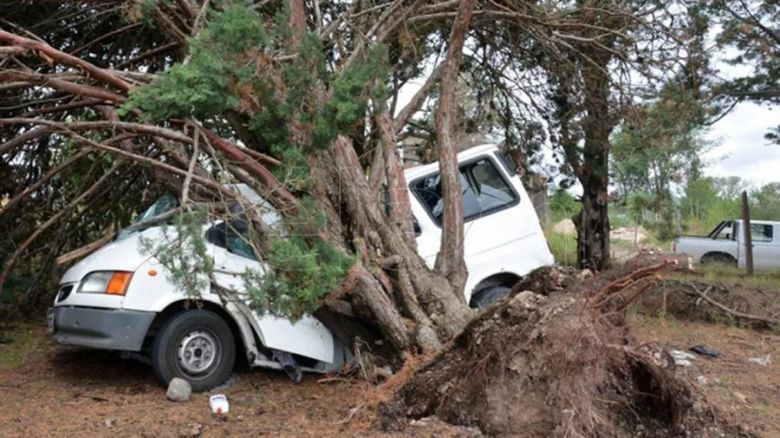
(219, 404)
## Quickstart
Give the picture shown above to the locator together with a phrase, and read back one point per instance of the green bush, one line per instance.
(563, 247)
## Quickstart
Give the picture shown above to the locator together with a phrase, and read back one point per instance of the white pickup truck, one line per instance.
(726, 244)
(120, 297)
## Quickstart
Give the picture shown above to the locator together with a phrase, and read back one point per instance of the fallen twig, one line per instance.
(93, 397)
(638, 293)
(332, 379)
(350, 415)
(86, 249)
(732, 312)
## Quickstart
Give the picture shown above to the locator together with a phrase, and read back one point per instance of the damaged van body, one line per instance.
(121, 297)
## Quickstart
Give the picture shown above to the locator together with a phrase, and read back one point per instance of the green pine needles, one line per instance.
(302, 276)
(241, 63)
(303, 270)
(184, 253)
(207, 85)
(237, 57)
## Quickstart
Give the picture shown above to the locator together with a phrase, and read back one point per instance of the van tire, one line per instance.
(488, 296)
(197, 346)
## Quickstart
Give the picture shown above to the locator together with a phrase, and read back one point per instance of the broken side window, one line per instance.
(484, 190)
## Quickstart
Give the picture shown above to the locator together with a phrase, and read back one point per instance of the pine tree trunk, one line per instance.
(450, 260)
(393, 285)
(593, 230)
(593, 221)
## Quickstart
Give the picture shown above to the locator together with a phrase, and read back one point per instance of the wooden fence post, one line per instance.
(748, 237)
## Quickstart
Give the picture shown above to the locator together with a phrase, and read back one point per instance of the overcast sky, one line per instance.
(743, 151)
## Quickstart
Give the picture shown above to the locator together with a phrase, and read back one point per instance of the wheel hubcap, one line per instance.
(197, 351)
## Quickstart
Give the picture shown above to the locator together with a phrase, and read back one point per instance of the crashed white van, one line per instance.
(121, 298)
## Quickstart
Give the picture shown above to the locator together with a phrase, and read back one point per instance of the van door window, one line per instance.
(484, 191)
(228, 237)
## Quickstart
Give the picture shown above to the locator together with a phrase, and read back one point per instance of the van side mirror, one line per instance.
(416, 226)
(217, 234)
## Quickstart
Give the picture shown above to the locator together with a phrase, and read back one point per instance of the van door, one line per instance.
(233, 256)
(491, 222)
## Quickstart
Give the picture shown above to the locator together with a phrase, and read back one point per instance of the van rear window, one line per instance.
(484, 189)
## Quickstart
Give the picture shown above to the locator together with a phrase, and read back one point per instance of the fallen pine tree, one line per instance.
(109, 104)
(559, 363)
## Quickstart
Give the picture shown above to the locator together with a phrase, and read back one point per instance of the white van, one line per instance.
(121, 298)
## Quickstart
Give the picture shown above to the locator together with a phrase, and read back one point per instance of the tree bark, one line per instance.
(450, 260)
(400, 211)
(593, 220)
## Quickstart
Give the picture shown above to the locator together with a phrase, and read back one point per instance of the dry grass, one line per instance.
(732, 276)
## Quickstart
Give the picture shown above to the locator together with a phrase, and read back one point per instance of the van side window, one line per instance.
(761, 232)
(484, 191)
(227, 237)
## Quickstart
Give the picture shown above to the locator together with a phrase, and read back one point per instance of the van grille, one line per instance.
(64, 292)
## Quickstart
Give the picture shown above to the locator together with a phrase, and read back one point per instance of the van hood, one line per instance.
(124, 254)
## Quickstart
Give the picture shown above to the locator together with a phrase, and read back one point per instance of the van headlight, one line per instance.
(106, 282)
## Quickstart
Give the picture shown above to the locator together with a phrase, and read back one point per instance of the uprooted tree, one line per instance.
(558, 359)
(108, 104)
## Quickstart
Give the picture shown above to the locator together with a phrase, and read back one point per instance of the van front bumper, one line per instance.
(106, 329)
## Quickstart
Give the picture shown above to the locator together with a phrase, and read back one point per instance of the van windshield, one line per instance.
(166, 203)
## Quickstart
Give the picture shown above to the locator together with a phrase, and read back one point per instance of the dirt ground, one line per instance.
(51, 390)
(747, 393)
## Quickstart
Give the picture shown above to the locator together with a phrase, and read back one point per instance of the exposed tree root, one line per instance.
(558, 365)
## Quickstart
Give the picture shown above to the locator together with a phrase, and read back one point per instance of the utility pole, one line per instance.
(748, 237)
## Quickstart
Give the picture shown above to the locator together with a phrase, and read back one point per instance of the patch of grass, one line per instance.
(563, 247)
(24, 343)
(654, 240)
(660, 321)
(732, 276)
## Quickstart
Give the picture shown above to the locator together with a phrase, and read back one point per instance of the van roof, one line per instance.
(471, 152)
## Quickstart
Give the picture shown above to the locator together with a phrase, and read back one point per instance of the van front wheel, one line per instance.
(488, 296)
(197, 346)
